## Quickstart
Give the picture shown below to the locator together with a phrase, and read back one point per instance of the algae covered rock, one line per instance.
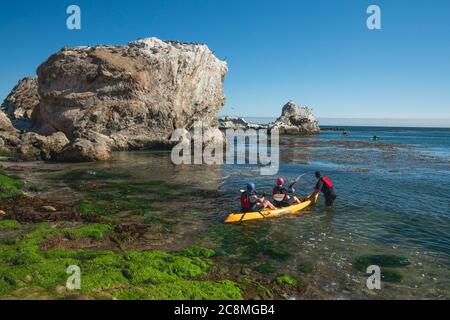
(265, 268)
(391, 261)
(287, 280)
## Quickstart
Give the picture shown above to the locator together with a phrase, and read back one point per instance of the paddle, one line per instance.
(297, 180)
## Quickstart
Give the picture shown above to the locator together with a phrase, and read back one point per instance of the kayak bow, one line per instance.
(267, 213)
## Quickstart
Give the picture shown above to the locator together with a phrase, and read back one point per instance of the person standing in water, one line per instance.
(326, 186)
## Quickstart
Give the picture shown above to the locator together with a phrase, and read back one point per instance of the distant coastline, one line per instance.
(369, 122)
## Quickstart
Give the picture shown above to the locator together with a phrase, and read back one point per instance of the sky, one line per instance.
(318, 53)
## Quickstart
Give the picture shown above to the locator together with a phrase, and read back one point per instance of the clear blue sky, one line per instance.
(316, 52)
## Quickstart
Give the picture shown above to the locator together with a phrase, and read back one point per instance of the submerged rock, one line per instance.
(296, 120)
(392, 261)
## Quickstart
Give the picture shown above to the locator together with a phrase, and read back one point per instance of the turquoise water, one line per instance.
(393, 199)
(403, 179)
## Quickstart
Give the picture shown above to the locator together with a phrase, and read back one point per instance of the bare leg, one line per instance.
(297, 200)
(267, 203)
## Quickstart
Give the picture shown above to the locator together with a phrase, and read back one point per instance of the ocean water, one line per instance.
(393, 199)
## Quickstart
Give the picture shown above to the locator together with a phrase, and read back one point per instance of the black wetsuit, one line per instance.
(329, 193)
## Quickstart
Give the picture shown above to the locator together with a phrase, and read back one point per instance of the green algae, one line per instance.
(391, 261)
(265, 268)
(277, 253)
(167, 225)
(33, 187)
(145, 274)
(248, 245)
(391, 276)
(94, 230)
(7, 154)
(306, 267)
(102, 208)
(9, 225)
(158, 267)
(10, 186)
(286, 280)
(183, 290)
(196, 251)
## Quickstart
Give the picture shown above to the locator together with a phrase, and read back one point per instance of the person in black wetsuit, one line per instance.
(325, 185)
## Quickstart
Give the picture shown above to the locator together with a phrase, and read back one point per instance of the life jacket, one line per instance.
(280, 190)
(327, 182)
(245, 201)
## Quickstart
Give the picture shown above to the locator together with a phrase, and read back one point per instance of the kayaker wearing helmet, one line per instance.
(325, 185)
(288, 200)
(251, 202)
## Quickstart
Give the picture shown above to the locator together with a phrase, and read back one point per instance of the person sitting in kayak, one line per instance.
(288, 199)
(324, 185)
(250, 201)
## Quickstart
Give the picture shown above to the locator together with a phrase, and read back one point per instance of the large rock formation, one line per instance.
(296, 120)
(105, 98)
(21, 102)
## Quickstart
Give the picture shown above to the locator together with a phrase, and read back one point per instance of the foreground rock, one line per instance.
(236, 123)
(21, 102)
(5, 123)
(9, 136)
(296, 120)
(91, 101)
(128, 97)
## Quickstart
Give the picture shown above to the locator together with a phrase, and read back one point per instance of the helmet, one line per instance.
(280, 181)
(251, 186)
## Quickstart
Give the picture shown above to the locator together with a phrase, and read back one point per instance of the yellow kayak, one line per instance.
(267, 213)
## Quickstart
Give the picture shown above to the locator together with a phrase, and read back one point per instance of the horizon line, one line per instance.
(375, 122)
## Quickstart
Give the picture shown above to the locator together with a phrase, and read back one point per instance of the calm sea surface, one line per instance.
(393, 199)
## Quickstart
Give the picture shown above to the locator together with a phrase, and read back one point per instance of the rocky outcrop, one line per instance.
(5, 123)
(235, 123)
(94, 100)
(37, 147)
(21, 102)
(8, 134)
(296, 120)
(129, 97)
